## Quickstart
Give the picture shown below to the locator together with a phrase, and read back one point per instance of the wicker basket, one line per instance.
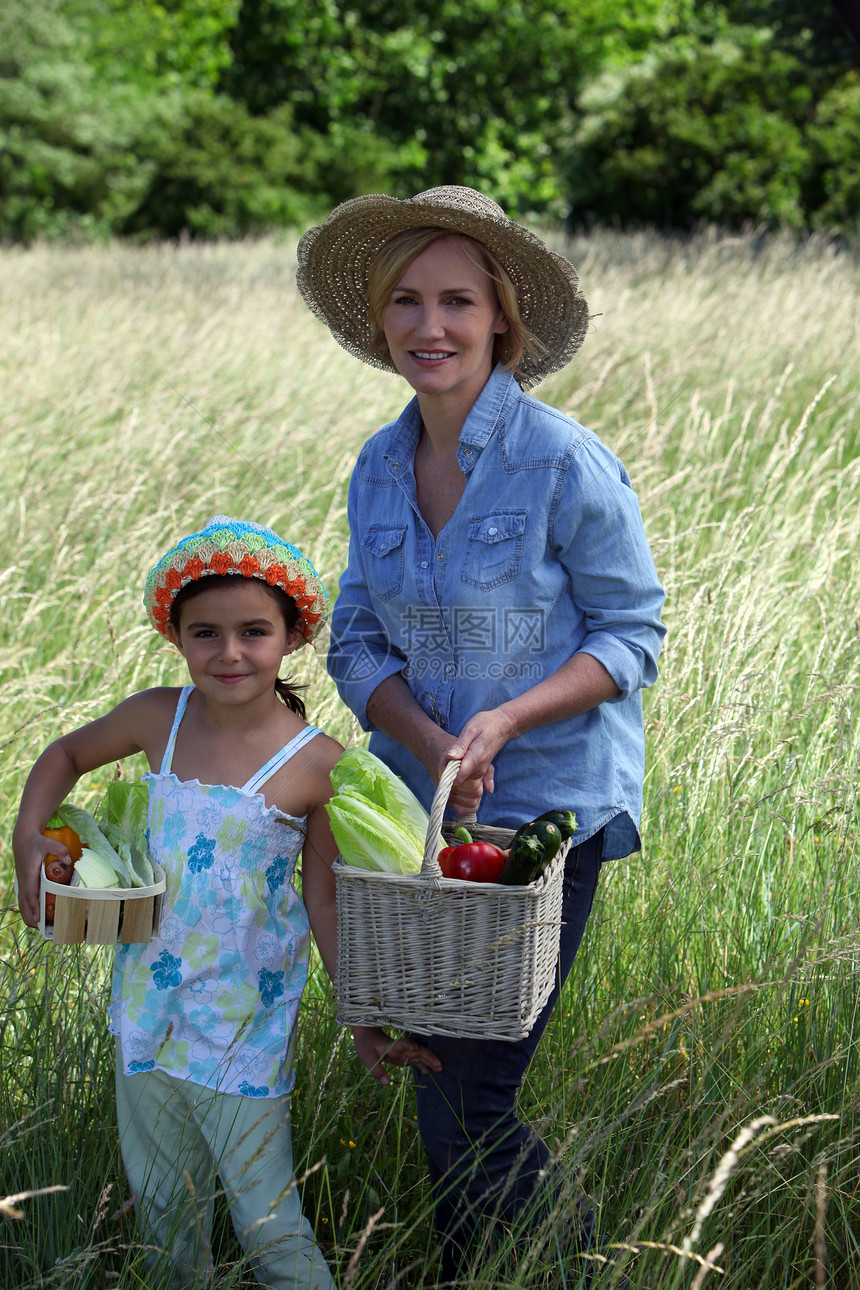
(441, 956)
(102, 915)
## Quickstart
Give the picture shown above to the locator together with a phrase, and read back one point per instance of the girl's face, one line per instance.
(233, 639)
(441, 323)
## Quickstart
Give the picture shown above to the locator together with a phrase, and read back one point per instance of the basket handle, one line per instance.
(430, 865)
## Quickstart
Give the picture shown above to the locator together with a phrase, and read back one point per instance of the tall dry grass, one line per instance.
(701, 1074)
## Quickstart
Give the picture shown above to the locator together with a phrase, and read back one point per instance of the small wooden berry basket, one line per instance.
(442, 956)
(102, 915)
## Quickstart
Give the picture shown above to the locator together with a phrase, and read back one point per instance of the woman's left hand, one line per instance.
(580, 684)
(375, 1047)
(481, 738)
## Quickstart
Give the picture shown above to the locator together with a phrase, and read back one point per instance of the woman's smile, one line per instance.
(442, 320)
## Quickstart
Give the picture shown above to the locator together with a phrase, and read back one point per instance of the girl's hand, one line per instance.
(138, 724)
(30, 851)
(375, 1047)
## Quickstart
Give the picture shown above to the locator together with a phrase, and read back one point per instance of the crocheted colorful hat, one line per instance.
(334, 262)
(227, 545)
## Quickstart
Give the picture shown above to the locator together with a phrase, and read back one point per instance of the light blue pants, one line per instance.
(176, 1137)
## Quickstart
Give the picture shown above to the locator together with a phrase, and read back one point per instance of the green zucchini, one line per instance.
(565, 822)
(524, 862)
(533, 849)
(548, 835)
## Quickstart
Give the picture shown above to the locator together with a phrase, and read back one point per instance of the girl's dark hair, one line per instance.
(289, 610)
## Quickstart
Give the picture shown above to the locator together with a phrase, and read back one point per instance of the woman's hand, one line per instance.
(465, 795)
(580, 684)
(477, 744)
(375, 1047)
(465, 798)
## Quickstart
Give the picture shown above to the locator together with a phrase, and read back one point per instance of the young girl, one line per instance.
(205, 1013)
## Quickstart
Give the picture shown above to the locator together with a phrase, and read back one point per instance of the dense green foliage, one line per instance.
(223, 117)
(723, 122)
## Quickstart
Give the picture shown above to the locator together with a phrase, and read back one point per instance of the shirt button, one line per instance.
(439, 555)
(450, 669)
(467, 452)
(424, 564)
(492, 532)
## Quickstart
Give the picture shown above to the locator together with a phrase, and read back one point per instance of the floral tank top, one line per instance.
(214, 998)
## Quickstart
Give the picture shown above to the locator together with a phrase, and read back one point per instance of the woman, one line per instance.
(500, 605)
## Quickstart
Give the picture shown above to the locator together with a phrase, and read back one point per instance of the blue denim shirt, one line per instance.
(545, 556)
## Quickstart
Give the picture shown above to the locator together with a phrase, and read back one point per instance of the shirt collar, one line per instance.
(488, 412)
(405, 441)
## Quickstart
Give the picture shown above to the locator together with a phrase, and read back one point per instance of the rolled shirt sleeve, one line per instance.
(361, 656)
(598, 532)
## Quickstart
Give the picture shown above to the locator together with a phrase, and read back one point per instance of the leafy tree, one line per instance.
(849, 15)
(109, 124)
(469, 91)
(158, 44)
(295, 52)
(220, 172)
(221, 117)
(813, 33)
(833, 134)
(68, 156)
(716, 124)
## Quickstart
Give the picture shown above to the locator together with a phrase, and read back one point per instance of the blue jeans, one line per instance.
(481, 1156)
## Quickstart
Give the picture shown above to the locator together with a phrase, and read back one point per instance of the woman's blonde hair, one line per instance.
(396, 255)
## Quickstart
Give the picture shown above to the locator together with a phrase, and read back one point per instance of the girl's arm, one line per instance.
(318, 886)
(318, 892)
(131, 727)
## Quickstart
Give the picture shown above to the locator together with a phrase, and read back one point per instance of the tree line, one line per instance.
(205, 118)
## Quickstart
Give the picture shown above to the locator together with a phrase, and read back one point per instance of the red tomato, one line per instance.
(58, 869)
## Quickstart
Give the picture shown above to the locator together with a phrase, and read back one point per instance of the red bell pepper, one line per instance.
(471, 861)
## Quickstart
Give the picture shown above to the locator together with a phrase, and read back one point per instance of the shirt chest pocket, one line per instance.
(383, 557)
(494, 549)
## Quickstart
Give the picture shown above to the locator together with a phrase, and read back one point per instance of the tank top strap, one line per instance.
(181, 705)
(256, 782)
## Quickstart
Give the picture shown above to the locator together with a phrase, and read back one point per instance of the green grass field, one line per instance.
(700, 1077)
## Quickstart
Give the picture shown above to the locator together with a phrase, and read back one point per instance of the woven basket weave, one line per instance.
(441, 956)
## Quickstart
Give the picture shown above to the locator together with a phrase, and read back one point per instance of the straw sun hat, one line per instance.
(335, 257)
(230, 546)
